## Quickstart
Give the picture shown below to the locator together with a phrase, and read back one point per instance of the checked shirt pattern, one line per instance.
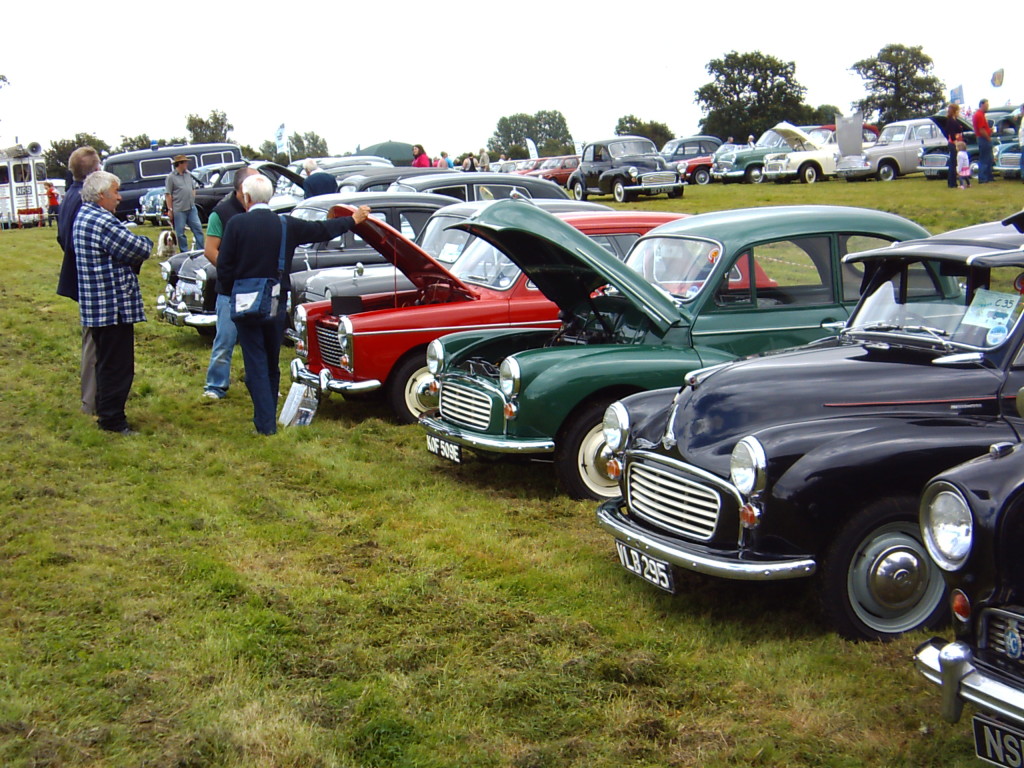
(106, 252)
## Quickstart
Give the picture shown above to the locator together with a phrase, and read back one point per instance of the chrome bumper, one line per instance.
(651, 187)
(733, 174)
(855, 173)
(486, 443)
(182, 316)
(695, 558)
(325, 383)
(949, 665)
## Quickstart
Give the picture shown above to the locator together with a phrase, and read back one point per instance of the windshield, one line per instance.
(632, 147)
(554, 162)
(445, 245)
(821, 135)
(670, 147)
(892, 134)
(770, 139)
(917, 303)
(483, 264)
(680, 265)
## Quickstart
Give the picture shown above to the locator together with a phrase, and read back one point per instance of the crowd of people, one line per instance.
(103, 257)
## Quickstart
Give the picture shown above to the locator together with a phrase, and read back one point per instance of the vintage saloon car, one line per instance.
(436, 238)
(739, 162)
(624, 167)
(971, 520)
(811, 461)
(896, 153)
(363, 343)
(189, 297)
(481, 186)
(812, 154)
(557, 169)
(692, 293)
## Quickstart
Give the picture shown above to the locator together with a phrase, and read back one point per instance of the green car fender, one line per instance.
(555, 381)
(495, 345)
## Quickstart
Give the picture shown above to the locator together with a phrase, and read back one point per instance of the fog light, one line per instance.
(750, 516)
(300, 348)
(511, 411)
(961, 605)
(345, 362)
(613, 469)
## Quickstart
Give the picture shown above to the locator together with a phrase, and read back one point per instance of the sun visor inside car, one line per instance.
(346, 305)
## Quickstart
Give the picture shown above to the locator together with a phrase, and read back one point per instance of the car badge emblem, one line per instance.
(1011, 640)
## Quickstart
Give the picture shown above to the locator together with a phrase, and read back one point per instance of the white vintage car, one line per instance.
(814, 153)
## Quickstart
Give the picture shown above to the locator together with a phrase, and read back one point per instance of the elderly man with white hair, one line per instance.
(108, 256)
(317, 182)
(250, 248)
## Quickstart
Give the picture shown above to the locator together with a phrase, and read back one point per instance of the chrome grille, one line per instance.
(1009, 160)
(996, 624)
(662, 495)
(722, 166)
(330, 349)
(658, 179)
(935, 160)
(465, 405)
(189, 290)
(774, 167)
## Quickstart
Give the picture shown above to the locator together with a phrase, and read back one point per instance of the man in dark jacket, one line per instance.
(82, 162)
(250, 248)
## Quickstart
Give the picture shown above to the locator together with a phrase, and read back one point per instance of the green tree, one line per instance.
(308, 144)
(749, 93)
(213, 129)
(899, 84)
(56, 157)
(268, 151)
(547, 128)
(142, 141)
(631, 125)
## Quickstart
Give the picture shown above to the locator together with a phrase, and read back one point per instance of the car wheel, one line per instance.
(407, 393)
(581, 455)
(886, 172)
(207, 331)
(701, 176)
(808, 174)
(619, 192)
(877, 580)
(754, 174)
(676, 193)
(579, 191)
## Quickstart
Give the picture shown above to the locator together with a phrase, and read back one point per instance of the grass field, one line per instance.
(335, 596)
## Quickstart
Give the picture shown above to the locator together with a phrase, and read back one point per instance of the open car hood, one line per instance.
(796, 138)
(566, 265)
(408, 258)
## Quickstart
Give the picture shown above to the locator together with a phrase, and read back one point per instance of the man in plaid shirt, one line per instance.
(108, 256)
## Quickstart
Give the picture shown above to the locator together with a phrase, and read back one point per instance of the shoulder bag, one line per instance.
(254, 300)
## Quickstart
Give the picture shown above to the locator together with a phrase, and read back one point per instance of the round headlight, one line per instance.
(345, 334)
(633, 171)
(947, 525)
(508, 376)
(747, 466)
(165, 271)
(299, 320)
(615, 425)
(435, 356)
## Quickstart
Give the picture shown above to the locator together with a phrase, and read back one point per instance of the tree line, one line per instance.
(748, 94)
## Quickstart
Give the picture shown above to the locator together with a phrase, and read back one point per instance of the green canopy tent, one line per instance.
(398, 152)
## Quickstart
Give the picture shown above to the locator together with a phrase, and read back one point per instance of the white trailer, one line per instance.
(22, 187)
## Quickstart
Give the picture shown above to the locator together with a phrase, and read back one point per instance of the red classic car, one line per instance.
(357, 344)
(696, 170)
(557, 169)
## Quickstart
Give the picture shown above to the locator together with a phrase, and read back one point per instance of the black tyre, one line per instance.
(877, 580)
(702, 176)
(619, 192)
(578, 190)
(808, 174)
(886, 171)
(407, 389)
(581, 455)
(754, 174)
(207, 331)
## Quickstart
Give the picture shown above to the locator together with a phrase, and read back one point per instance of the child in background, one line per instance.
(963, 166)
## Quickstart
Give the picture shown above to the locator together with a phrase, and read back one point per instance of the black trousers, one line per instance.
(115, 371)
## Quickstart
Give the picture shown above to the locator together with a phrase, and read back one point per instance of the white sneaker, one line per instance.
(209, 394)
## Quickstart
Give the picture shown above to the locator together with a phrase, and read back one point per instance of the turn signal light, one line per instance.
(433, 387)
(750, 516)
(613, 469)
(510, 411)
(345, 361)
(961, 605)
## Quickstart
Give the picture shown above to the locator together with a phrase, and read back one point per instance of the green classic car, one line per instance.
(692, 293)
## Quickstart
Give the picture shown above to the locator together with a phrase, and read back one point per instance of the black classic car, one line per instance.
(480, 186)
(189, 297)
(624, 167)
(971, 520)
(810, 461)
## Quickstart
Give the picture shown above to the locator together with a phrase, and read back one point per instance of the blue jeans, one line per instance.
(218, 375)
(261, 350)
(984, 160)
(191, 217)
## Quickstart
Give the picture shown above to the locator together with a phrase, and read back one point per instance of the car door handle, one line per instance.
(833, 325)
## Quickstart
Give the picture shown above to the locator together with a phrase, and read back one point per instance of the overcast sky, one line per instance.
(440, 74)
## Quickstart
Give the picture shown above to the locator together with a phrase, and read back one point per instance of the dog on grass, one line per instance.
(166, 244)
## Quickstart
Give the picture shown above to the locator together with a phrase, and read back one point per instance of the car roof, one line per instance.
(742, 226)
(326, 202)
(993, 244)
(477, 177)
(551, 205)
